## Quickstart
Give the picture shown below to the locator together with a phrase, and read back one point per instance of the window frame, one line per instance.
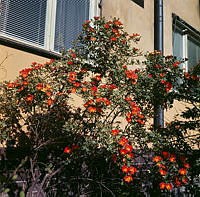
(186, 31)
(48, 49)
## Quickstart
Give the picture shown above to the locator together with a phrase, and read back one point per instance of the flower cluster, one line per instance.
(173, 170)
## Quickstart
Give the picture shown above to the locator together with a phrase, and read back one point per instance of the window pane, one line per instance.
(193, 52)
(70, 15)
(178, 45)
(24, 20)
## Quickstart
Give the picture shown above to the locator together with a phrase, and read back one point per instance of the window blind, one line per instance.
(24, 20)
(70, 15)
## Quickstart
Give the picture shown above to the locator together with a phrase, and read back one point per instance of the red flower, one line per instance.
(70, 62)
(131, 74)
(128, 99)
(125, 169)
(123, 152)
(132, 170)
(162, 185)
(75, 147)
(168, 86)
(185, 180)
(67, 150)
(169, 186)
(114, 158)
(115, 132)
(106, 26)
(165, 154)
(94, 89)
(123, 141)
(92, 109)
(163, 172)
(182, 171)
(96, 18)
(157, 159)
(128, 148)
(113, 38)
(87, 22)
(128, 178)
(112, 87)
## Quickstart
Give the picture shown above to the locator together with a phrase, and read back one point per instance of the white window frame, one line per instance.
(185, 33)
(49, 37)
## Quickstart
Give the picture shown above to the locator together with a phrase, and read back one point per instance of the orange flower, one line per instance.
(30, 98)
(140, 121)
(182, 171)
(117, 23)
(92, 39)
(157, 159)
(125, 169)
(169, 186)
(128, 178)
(50, 102)
(92, 109)
(163, 172)
(123, 141)
(128, 148)
(67, 150)
(84, 89)
(115, 132)
(186, 165)
(129, 155)
(48, 93)
(172, 158)
(10, 85)
(76, 84)
(162, 185)
(132, 170)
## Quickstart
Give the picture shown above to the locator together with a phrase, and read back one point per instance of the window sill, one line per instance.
(29, 48)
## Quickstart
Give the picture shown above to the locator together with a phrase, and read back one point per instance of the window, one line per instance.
(139, 2)
(48, 24)
(186, 43)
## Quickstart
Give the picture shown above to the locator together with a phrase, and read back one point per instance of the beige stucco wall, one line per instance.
(141, 20)
(13, 60)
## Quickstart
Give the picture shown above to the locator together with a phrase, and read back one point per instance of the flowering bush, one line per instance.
(84, 121)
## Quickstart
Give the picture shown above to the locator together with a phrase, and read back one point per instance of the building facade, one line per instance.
(39, 30)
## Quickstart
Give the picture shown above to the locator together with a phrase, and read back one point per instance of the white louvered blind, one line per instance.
(24, 20)
(70, 15)
(48, 24)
